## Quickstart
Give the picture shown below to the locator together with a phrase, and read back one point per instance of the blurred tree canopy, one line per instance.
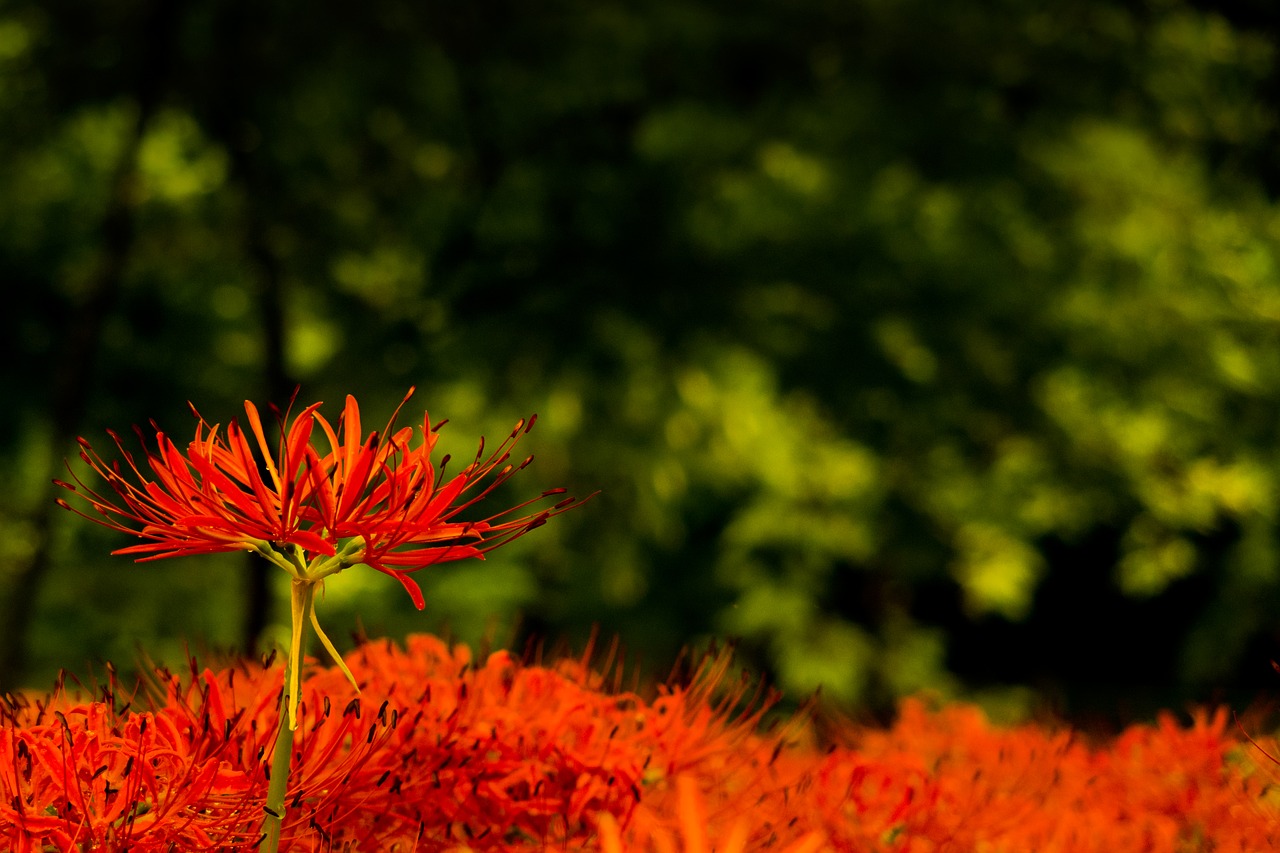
(915, 345)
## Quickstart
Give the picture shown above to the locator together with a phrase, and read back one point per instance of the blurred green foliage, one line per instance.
(915, 345)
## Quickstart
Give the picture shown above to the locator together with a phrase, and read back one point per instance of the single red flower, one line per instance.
(377, 499)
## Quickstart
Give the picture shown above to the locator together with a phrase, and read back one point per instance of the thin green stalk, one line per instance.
(273, 816)
(302, 594)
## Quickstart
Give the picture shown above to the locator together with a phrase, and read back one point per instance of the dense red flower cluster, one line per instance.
(441, 752)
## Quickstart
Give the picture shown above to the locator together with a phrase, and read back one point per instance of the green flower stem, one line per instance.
(302, 598)
(273, 816)
(302, 609)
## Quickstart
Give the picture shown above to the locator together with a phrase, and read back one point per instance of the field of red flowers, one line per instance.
(439, 751)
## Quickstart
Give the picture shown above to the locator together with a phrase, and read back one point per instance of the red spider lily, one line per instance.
(694, 827)
(441, 752)
(376, 499)
(484, 752)
(86, 778)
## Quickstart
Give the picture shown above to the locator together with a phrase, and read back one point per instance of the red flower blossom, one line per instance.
(442, 752)
(376, 499)
(83, 777)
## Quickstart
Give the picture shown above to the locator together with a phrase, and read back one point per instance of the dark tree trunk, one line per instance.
(73, 369)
